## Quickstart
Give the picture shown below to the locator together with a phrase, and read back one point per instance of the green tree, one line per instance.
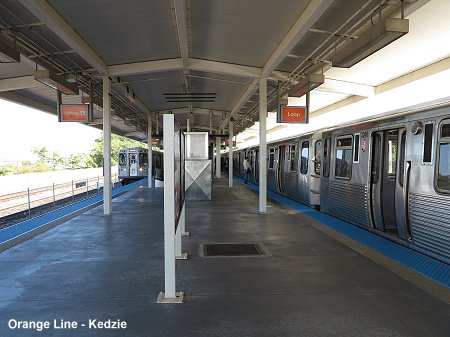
(74, 161)
(117, 143)
(42, 153)
(57, 160)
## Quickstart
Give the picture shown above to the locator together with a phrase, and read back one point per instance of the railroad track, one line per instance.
(25, 201)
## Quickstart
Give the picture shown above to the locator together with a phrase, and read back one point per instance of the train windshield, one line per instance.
(122, 159)
(143, 159)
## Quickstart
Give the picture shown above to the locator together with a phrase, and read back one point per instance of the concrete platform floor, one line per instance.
(111, 267)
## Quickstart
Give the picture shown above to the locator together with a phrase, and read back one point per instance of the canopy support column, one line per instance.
(262, 145)
(150, 150)
(230, 155)
(107, 203)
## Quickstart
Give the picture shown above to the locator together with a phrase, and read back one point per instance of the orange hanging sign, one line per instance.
(293, 114)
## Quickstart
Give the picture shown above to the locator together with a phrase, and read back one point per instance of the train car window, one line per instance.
(317, 156)
(326, 157)
(304, 157)
(122, 159)
(271, 157)
(293, 166)
(445, 131)
(356, 146)
(143, 159)
(427, 143)
(343, 166)
(443, 169)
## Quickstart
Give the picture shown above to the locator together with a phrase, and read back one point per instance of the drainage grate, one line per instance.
(233, 249)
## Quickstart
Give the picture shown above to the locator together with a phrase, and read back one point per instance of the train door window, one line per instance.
(122, 159)
(443, 168)
(252, 154)
(392, 148)
(326, 157)
(317, 156)
(401, 174)
(343, 167)
(304, 157)
(271, 157)
(427, 156)
(133, 158)
(293, 165)
(376, 158)
(356, 146)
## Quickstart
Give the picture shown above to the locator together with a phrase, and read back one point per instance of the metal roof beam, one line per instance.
(16, 83)
(347, 88)
(145, 67)
(182, 31)
(309, 16)
(46, 14)
(177, 64)
(198, 111)
(224, 68)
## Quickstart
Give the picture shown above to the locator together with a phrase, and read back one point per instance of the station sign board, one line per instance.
(292, 114)
(74, 113)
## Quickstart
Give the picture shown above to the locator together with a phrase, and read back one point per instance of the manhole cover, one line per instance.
(233, 249)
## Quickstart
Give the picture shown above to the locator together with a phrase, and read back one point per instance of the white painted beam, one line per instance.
(46, 14)
(16, 83)
(224, 68)
(347, 88)
(182, 32)
(309, 16)
(146, 67)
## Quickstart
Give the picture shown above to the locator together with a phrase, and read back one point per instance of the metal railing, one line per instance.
(25, 201)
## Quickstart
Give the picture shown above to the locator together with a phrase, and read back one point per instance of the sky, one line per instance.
(23, 128)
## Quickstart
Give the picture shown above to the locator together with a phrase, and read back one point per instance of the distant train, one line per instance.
(133, 164)
(390, 176)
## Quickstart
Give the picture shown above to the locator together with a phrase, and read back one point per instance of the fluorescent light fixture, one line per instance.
(51, 79)
(376, 38)
(7, 53)
(307, 84)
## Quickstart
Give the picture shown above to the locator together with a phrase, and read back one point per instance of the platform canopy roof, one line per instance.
(202, 59)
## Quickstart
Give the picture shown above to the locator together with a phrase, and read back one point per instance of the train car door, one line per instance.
(281, 159)
(133, 165)
(388, 189)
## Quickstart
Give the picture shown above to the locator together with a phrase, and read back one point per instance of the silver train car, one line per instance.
(390, 176)
(133, 164)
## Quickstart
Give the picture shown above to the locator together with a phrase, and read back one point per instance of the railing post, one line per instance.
(98, 184)
(54, 201)
(72, 192)
(29, 203)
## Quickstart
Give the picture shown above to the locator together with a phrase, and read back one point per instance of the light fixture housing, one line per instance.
(55, 81)
(376, 38)
(8, 54)
(307, 84)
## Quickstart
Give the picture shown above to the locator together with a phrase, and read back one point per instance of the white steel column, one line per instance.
(150, 150)
(107, 204)
(230, 155)
(217, 157)
(262, 145)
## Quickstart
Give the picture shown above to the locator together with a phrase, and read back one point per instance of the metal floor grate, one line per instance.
(233, 249)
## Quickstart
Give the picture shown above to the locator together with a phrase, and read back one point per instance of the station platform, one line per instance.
(96, 267)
